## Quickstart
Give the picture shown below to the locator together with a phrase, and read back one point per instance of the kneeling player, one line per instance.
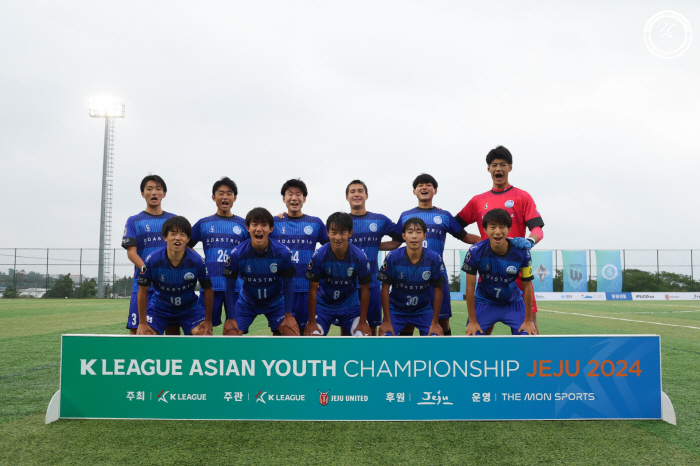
(266, 267)
(497, 297)
(174, 271)
(410, 272)
(333, 273)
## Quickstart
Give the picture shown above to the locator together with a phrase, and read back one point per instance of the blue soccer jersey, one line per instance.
(218, 236)
(410, 282)
(174, 286)
(300, 235)
(367, 233)
(339, 278)
(497, 273)
(143, 230)
(262, 273)
(439, 223)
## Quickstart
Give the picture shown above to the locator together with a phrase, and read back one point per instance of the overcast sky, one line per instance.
(600, 128)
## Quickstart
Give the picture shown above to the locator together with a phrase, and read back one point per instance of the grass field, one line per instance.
(29, 375)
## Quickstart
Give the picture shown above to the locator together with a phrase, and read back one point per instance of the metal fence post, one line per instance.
(47, 270)
(658, 283)
(14, 274)
(114, 260)
(80, 271)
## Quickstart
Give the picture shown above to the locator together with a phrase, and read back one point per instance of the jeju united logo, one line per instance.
(323, 398)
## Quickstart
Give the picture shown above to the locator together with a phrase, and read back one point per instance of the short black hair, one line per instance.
(347, 188)
(225, 181)
(414, 221)
(295, 183)
(155, 178)
(497, 216)
(176, 224)
(341, 220)
(259, 215)
(500, 153)
(424, 178)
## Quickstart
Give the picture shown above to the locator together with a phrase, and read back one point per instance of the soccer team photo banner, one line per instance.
(542, 270)
(575, 271)
(609, 270)
(341, 378)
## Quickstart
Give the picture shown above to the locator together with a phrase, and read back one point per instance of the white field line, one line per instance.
(662, 312)
(617, 318)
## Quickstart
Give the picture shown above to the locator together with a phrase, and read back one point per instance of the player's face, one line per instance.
(339, 238)
(259, 231)
(224, 198)
(294, 199)
(153, 193)
(414, 237)
(425, 191)
(176, 240)
(497, 233)
(499, 170)
(357, 195)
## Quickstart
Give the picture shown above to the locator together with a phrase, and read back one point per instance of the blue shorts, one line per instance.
(134, 311)
(188, 319)
(511, 314)
(246, 315)
(420, 321)
(374, 311)
(347, 319)
(446, 308)
(219, 304)
(300, 309)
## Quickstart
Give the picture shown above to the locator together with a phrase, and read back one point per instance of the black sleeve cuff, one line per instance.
(128, 242)
(461, 234)
(528, 279)
(439, 282)
(384, 278)
(324, 241)
(192, 243)
(289, 273)
(534, 223)
(365, 279)
(469, 269)
(460, 221)
(312, 277)
(205, 284)
(396, 237)
(143, 281)
(228, 273)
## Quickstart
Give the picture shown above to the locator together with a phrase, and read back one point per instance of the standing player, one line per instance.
(219, 234)
(516, 202)
(142, 236)
(174, 271)
(334, 273)
(411, 272)
(265, 265)
(438, 223)
(497, 297)
(368, 230)
(300, 233)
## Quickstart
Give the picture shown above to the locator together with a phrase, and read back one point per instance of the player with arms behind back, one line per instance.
(266, 267)
(174, 271)
(219, 234)
(497, 297)
(411, 272)
(516, 202)
(300, 233)
(334, 272)
(142, 236)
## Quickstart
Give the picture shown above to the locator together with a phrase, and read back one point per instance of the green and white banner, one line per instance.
(609, 271)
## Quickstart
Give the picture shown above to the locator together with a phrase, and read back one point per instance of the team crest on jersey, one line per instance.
(426, 275)
(162, 278)
(469, 256)
(368, 266)
(486, 206)
(350, 271)
(437, 219)
(248, 268)
(330, 271)
(148, 228)
(273, 267)
(509, 203)
(189, 276)
(283, 231)
(143, 269)
(211, 229)
(383, 268)
(308, 229)
(124, 232)
(512, 270)
(487, 267)
(401, 275)
(237, 230)
(372, 227)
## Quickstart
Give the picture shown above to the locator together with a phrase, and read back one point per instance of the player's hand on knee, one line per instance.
(204, 328)
(473, 328)
(312, 329)
(385, 328)
(436, 329)
(529, 327)
(289, 326)
(231, 328)
(362, 329)
(145, 329)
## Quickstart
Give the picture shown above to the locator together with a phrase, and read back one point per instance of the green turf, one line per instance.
(29, 356)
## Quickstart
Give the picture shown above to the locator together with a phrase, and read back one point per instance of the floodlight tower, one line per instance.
(109, 108)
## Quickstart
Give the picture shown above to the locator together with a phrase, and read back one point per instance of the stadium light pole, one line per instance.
(109, 108)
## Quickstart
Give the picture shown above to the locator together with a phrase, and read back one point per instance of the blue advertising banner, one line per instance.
(341, 378)
(609, 269)
(575, 271)
(618, 296)
(542, 269)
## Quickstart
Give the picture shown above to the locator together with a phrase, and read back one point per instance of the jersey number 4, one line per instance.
(295, 257)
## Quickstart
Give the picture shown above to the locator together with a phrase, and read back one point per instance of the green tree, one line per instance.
(10, 292)
(88, 289)
(455, 282)
(62, 288)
